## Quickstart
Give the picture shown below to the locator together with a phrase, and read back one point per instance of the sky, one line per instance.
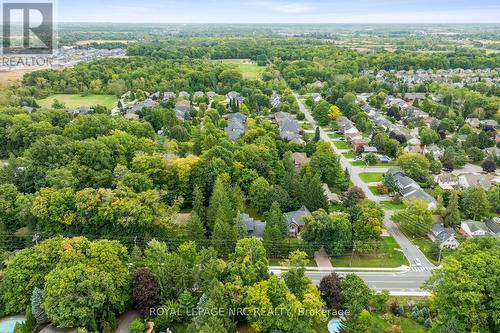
(279, 11)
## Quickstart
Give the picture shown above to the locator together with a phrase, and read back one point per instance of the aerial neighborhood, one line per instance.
(256, 178)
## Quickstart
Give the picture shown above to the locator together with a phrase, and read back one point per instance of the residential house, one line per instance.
(409, 189)
(472, 229)
(211, 94)
(235, 127)
(233, 95)
(411, 97)
(199, 94)
(444, 236)
(492, 151)
(169, 95)
(471, 179)
(353, 136)
(275, 99)
(300, 160)
(255, 228)
(447, 181)
(434, 150)
(138, 106)
(184, 94)
(289, 128)
(182, 109)
(370, 150)
(359, 145)
(295, 220)
(489, 124)
(316, 97)
(494, 226)
(473, 122)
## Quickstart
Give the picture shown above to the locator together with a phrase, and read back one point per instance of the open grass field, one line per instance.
(374, 190)
(249, 69)
(388, 256)
(75, 100)
(349, 154)
(407, 325)
(371, 177)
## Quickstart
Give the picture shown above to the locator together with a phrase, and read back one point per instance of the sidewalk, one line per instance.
(322, 259)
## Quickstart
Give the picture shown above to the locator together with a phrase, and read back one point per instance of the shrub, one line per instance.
(137, 326)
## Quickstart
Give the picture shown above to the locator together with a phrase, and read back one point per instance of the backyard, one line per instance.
(342, 144)
(76, 100)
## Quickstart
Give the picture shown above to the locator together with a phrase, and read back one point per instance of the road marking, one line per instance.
(421, 269)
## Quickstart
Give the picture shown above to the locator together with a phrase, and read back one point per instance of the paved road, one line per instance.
(402, 283)
(409, 249)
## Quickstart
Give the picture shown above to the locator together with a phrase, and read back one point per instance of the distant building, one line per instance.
(330, 196)
(472, 179)
(182, 109)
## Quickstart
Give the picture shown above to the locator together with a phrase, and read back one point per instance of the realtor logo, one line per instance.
(27, 28)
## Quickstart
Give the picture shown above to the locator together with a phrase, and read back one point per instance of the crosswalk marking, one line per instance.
(421, 269)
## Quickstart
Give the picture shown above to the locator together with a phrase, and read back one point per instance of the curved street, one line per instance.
(409, 249)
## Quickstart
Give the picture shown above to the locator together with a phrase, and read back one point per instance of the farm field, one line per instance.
(75, 100)
(249, 70)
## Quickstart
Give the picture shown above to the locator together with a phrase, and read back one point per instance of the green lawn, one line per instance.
(249, 70)
(349, 154)
(387, 257)
(335, 136)
(371, 177)
(278, 262)
(407, 325)
(358, 163)
(392, 206)
(342, 145)
(75, 100)
(374, 190)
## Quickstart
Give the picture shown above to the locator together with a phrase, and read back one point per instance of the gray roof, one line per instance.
(234, 129)
(494, 227)
(254, 227)
(297, 216)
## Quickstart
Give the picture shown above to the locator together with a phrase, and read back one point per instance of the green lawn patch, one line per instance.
(392, 206)
(249, 70)
(374, 190)
(342, 145)
(75, 100)
(349, 154)
(407, 325)
(358, 163)
(371, 177)
(335, 136)
(387, 256)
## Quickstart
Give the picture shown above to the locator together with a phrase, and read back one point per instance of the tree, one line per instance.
(248, 263)
(371, 159)
(325, 163)
(355, 293)
(311, 192)
(428, 136)
(194, 228)
(415, 219)
(145, 291)
(330, 290)
(274, 218)
(36, 307)
(358, 321)
(295, 278)
(368, 227)
(264, 299)
(494, 198)
(452, 214)
(198, 202)
(415, 166)
(223, 237)
(224, 203)
(259, 194)
(465, 288)
(334, 112)
(475, 204)
(333, 231)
